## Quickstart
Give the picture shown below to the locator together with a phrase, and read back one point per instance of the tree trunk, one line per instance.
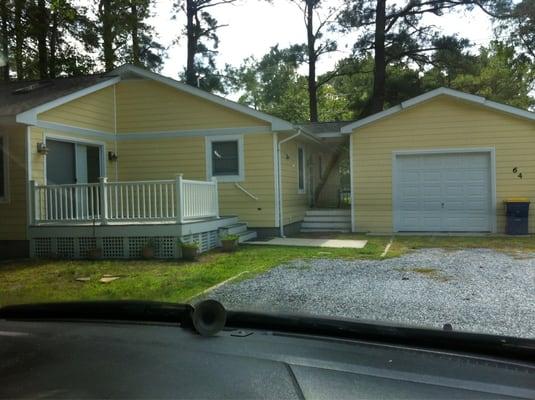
(191, 11)
(135, 33)
(41, 21)
(19, 37)
(379, 74)
(52, 62)
(4, 16)
(311, 48)
(107, 34)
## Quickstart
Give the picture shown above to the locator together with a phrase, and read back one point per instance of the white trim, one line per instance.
(75, 140)
(276, 123)
(115, 131)
(158, 135)
(74, 129)
(492, 155)
(30, 116)
(5, 199)
(28, 159)
(279, 177)
(195, 132)
(352, 176)
(276, 178)
(241, 158)
(440, 92)
(299, 189)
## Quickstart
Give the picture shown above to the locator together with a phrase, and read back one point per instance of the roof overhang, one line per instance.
(30, 116)
(482, 101)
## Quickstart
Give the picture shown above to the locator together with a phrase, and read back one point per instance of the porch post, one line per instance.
(179, 199)
(216, 196)
(103, 197)
(33, 206)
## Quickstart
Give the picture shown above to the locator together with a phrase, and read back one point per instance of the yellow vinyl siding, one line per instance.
(93, 111)
(13, 211)
(294, 203)
(37, 160)
(164, 158)
(439, 123)
(148, 106)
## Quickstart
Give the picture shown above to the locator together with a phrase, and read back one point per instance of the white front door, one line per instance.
(443, 192)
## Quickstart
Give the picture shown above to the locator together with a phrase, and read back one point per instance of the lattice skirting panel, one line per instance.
(118, 246)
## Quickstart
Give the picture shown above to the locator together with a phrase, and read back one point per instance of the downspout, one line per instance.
(279, 168)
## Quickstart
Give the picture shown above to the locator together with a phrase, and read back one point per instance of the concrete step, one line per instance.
(247, 235)
(326, 225)
(234, 229)
(328, 212)
(327, 218)
(312, 230)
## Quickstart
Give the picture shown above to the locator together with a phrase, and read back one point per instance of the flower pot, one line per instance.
(229, 245)
(148, 252)
(190, 253)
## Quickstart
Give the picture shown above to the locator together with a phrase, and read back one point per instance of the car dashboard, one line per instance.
(88, 359)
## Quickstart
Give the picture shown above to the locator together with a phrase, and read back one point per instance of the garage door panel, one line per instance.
(442, 192)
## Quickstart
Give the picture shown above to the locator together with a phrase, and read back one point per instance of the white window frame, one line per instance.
(5, 150)
(241, 157)
(304, 188)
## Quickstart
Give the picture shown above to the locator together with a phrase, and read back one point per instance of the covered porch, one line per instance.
(119, 218)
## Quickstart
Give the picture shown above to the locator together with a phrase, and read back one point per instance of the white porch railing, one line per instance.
(179, 200)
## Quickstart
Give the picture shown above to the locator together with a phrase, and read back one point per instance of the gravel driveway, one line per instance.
(475, 290)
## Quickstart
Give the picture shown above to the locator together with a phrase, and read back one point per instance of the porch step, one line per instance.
(328, 212)
(240, 229)
(327, 220)
(236, 229)
(326, 225)
(247, 235)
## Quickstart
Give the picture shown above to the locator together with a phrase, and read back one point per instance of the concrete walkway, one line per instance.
(333, 243)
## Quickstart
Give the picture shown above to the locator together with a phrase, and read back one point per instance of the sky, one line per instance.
(256, 25)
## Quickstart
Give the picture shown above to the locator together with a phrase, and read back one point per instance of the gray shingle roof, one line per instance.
(19, 96)
(323, 127)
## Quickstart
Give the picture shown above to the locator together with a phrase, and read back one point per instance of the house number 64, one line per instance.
(515, 171)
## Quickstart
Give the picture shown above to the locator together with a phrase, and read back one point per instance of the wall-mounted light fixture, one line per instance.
(42, 149)
(112, 156)
(287, 156)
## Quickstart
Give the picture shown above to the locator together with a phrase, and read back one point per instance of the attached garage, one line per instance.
(443, 191)
(442, 162)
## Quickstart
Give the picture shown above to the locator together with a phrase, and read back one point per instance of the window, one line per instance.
(225, 158)
(301, 169)
(3, 168)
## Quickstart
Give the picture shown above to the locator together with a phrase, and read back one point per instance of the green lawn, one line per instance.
(176, 281)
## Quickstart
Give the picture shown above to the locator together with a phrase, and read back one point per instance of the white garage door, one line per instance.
(442, 192)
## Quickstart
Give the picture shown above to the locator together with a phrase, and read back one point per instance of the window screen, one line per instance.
(225, 158)
(301, 162)
(3, 177)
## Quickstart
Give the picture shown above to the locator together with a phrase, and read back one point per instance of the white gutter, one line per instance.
(279, 167)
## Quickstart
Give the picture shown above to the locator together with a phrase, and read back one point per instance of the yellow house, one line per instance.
(444, 161)
(116, 161)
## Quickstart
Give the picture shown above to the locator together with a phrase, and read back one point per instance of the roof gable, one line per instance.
(454, 94)
(131, 70)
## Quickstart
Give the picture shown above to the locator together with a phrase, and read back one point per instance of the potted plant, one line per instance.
(230, 242)
(148, 249)
(190, 251)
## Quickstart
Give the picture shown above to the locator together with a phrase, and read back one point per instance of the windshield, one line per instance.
(359, 159)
